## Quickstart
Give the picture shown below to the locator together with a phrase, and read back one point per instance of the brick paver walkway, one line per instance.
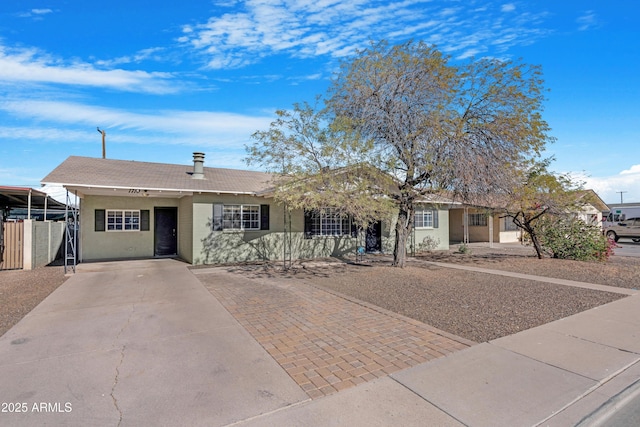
(326, 343)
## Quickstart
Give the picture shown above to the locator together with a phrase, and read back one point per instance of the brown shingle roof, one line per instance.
(95, 172)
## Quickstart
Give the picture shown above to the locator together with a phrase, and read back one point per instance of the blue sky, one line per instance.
(165, 80)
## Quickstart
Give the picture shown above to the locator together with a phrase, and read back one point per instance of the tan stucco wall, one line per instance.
(199, 244)
(185, 228)
(97, 245)
(480, 233)
(235, 246)
(228, 246)
(439, 235)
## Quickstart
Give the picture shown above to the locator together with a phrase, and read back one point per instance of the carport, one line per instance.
(20, 208)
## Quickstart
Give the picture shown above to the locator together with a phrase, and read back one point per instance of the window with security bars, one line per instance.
(241, 217)
(509, 225)
(477, 220)
(123, 220)
(327, 222)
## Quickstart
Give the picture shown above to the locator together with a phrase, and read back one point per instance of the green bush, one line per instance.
(571, 238)
(428, 244)
(464, 249)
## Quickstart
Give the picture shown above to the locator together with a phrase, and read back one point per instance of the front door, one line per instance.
(373, 237)
(166, 231)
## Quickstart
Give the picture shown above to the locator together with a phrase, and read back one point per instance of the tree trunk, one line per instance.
(535, 241)
(403, 231)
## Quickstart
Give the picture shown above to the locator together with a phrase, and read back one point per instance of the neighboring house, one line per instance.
(470, 224)
(131, 209)
(592, 207)
(483, 224)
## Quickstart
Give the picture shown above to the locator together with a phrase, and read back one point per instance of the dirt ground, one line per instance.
(618, 271)
(475, 306)
(21, 291)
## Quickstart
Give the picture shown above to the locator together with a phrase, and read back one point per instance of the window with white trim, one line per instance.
(477, 220)
(327, 222)
(423, 218)
(123, 220)
(241, 217)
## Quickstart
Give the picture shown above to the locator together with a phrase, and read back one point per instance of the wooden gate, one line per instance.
(11, 246)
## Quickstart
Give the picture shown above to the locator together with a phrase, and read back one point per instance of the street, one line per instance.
(627, 248)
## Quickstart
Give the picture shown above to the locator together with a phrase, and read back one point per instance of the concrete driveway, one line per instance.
(136, 343)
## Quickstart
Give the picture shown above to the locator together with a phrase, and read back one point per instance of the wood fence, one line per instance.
(11, 246)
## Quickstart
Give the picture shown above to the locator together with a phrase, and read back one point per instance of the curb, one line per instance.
(607, 409)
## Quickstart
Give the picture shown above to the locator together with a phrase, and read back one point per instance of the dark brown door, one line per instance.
(373, 237)
(166, 231)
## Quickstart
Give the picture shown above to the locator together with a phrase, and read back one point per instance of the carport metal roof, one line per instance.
(27, 198)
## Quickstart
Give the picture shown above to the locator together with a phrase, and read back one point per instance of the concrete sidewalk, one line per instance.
(146, 343)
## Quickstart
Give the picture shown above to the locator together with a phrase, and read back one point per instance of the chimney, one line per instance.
(198, 166)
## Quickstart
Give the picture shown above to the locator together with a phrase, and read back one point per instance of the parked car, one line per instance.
(627, 228)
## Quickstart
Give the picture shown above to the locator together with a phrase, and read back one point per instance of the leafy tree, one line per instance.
(542, 200)
(435, 126)
(541, 194)
(317, 166)
(402, 122)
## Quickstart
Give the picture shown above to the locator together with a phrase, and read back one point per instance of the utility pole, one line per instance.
(621, 192)
(104, 147)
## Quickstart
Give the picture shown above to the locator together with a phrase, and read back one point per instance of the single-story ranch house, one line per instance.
(469, 223)
(131, 209)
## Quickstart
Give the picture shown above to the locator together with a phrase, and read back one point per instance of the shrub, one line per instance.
(464, 249)
(571, 238)
(428, 244)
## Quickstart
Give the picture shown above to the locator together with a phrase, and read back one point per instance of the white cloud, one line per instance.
(75, 122)
(31, 66)
(153, 53)
(586, 20)
(633, 170)
(36, 14)
(508, 7)
(609, 187)
(44, 134)
(306, 28)
(17, 176)
(57, 192)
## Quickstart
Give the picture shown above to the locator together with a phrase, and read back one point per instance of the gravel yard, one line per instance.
(21, 291)
(623, 272)
(476, 306)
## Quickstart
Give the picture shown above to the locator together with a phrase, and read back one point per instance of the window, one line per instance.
(123, 220)
(326, 222)
(423, 218)
(477, 220)
(241, 217)
(509, 225)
